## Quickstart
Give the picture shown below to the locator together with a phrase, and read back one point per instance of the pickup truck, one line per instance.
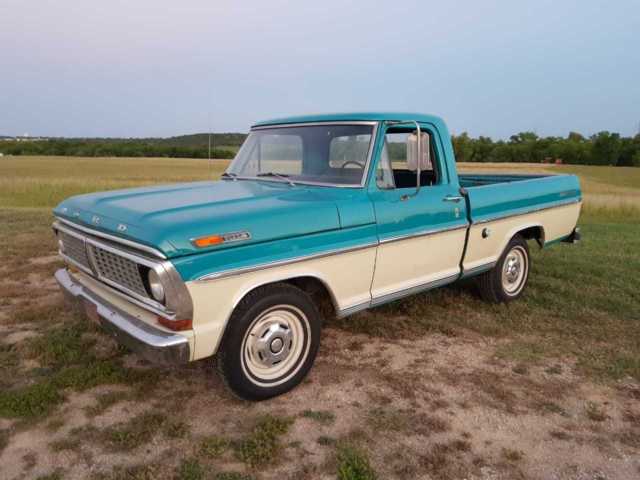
(316, 216)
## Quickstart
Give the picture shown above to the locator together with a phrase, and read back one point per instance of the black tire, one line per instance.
(491, 285)
(242, 355)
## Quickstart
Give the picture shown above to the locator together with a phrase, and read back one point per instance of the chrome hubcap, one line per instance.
(271, 342)
(514, 270)
(274, 346)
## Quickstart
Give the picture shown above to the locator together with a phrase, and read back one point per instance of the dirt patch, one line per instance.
(438, 406)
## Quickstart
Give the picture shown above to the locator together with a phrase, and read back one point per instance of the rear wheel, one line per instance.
(270, 343)
(506, 281)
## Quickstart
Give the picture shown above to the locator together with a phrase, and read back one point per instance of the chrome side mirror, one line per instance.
(418, 153)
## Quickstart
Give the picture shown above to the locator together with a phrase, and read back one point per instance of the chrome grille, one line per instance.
(119, 270)
(74, 248)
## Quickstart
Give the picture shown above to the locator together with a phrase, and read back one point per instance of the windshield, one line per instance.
(327, 154)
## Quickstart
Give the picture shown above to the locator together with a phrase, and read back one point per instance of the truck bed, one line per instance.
(494, 196)
(477, 179)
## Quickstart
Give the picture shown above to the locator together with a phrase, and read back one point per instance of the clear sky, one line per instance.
(158, 68)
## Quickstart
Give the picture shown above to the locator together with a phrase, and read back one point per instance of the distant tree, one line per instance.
(606, 148)
(462, 146)
(481, 151)
(523, 137)
(575, 137)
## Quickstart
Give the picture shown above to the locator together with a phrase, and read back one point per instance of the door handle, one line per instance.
(452, 198)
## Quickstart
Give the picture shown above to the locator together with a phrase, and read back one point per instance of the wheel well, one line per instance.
(533, 233)
(318, 291)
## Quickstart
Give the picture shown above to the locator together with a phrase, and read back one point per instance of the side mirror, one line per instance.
(418, 159)
(418, 154)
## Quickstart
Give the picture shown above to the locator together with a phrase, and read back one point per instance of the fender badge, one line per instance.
(236, 236)
(95, 219)
(211, 240)
(122, 227)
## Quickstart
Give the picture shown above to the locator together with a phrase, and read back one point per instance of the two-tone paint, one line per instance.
(366, 245)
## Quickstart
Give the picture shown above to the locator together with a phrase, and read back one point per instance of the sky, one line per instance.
(156, 68)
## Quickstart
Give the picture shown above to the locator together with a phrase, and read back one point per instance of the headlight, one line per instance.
(157, 290)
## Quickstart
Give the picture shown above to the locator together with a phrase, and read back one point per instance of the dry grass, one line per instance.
(45, 181)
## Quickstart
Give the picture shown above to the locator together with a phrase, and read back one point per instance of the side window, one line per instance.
(276, 153)
(398, 163)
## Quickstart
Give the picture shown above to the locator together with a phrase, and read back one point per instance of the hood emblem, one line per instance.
(122, 227)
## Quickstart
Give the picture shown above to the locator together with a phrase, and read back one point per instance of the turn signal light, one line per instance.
(176, 325)
(208, 241)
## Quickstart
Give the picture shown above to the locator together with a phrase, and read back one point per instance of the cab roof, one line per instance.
(354, 116)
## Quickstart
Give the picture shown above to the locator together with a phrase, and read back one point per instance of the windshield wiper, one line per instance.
(232, 176)
(281, 176)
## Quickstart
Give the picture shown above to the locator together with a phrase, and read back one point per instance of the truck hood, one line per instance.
(169, 217)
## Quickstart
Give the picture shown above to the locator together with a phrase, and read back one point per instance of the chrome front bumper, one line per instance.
(151, 343)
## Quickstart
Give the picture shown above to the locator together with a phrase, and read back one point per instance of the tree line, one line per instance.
(109, 149)
(223, 145)
(603, 148)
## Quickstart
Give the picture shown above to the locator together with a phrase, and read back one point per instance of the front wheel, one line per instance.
(506, 281)
(271, 341)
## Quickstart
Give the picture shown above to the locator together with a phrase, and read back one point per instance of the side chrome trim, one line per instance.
(152, 343)
(390, 297)
(345, 312)
(280, 263)
(137, 246)
(519, 214)
(477, 270)
(424, 233)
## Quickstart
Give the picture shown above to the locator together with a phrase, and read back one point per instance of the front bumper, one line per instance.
(149, 342)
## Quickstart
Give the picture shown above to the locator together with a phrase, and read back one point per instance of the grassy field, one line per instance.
(45, 181)
(440, 384)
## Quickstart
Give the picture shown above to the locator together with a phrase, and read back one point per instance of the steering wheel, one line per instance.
(352, 161)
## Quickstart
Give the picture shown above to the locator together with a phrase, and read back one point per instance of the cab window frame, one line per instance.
(435, 157)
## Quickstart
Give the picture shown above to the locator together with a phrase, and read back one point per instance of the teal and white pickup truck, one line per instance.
(316, 215)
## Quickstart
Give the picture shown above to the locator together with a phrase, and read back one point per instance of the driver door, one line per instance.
(421, 231)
